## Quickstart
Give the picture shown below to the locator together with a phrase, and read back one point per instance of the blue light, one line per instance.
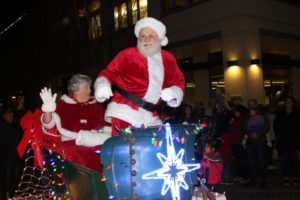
(173, 169)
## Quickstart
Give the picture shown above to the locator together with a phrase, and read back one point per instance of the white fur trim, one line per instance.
(136, 118)
(93, 138)
(68, 99)
(164, 41)
(156, 78)
(48, 107)
(178, 96)
(50, 125)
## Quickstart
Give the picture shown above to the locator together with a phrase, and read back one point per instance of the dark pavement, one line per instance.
(275, 190)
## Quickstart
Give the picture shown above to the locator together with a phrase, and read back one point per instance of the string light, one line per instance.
(43, 183)
(12, 24)
(173, 169)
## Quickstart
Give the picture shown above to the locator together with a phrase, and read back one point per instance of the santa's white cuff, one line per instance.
(178, 97)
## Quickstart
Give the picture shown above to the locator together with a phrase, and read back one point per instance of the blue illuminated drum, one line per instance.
(151, 163)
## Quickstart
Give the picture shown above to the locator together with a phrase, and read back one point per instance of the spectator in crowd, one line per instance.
(286, 128)
(198, 112)
(11, 134)
(210, 116)
(223, 125)
(238, 151)
(271, 138)
(184, 113)
(77, 124)
(210, 171)
(256, 126)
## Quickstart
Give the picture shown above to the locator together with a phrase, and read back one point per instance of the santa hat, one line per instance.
(156, 25)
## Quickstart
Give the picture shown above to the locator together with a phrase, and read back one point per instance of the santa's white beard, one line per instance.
(148, 52)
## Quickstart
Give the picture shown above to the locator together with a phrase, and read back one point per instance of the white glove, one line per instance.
(102, 93)
(48, 99)
(167, 95)
(92, 138)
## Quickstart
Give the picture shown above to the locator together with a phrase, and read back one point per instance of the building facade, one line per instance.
(246, 48)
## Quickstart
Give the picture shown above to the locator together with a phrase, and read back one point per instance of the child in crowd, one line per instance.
(212, 164)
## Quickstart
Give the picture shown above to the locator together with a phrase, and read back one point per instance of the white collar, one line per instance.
(67, 99)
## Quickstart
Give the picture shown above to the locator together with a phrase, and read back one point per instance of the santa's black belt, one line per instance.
(137, 100)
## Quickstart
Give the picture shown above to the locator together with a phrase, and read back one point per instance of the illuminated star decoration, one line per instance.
(173, 169)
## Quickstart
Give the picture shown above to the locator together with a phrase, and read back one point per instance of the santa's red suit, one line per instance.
(144, 77)
(71, 118)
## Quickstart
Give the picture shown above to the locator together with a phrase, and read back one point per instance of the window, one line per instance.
(123, 15)
(134, 9)
(95, 27)
(89, 14)
(143, 8)
(95, 20)
(129, 11)
(116, 17)
(120, 16)
(139, 10)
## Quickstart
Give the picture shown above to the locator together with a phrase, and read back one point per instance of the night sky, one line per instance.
(17, 75)
(10, 11)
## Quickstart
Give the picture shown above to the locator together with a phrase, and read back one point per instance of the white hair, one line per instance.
(76, 80)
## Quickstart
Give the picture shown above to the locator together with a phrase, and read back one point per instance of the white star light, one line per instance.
(173, 169)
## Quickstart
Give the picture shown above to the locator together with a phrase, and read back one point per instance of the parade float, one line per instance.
(140, 163)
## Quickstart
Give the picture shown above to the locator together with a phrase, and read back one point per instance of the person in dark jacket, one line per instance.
(287, 131)
(256, 126)
(11, 135)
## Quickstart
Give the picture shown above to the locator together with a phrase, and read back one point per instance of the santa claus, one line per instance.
(142, 75)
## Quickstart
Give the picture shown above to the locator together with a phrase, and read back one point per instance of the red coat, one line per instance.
(214, 164)
(142, 76)
(74, 117)
(77, 116)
